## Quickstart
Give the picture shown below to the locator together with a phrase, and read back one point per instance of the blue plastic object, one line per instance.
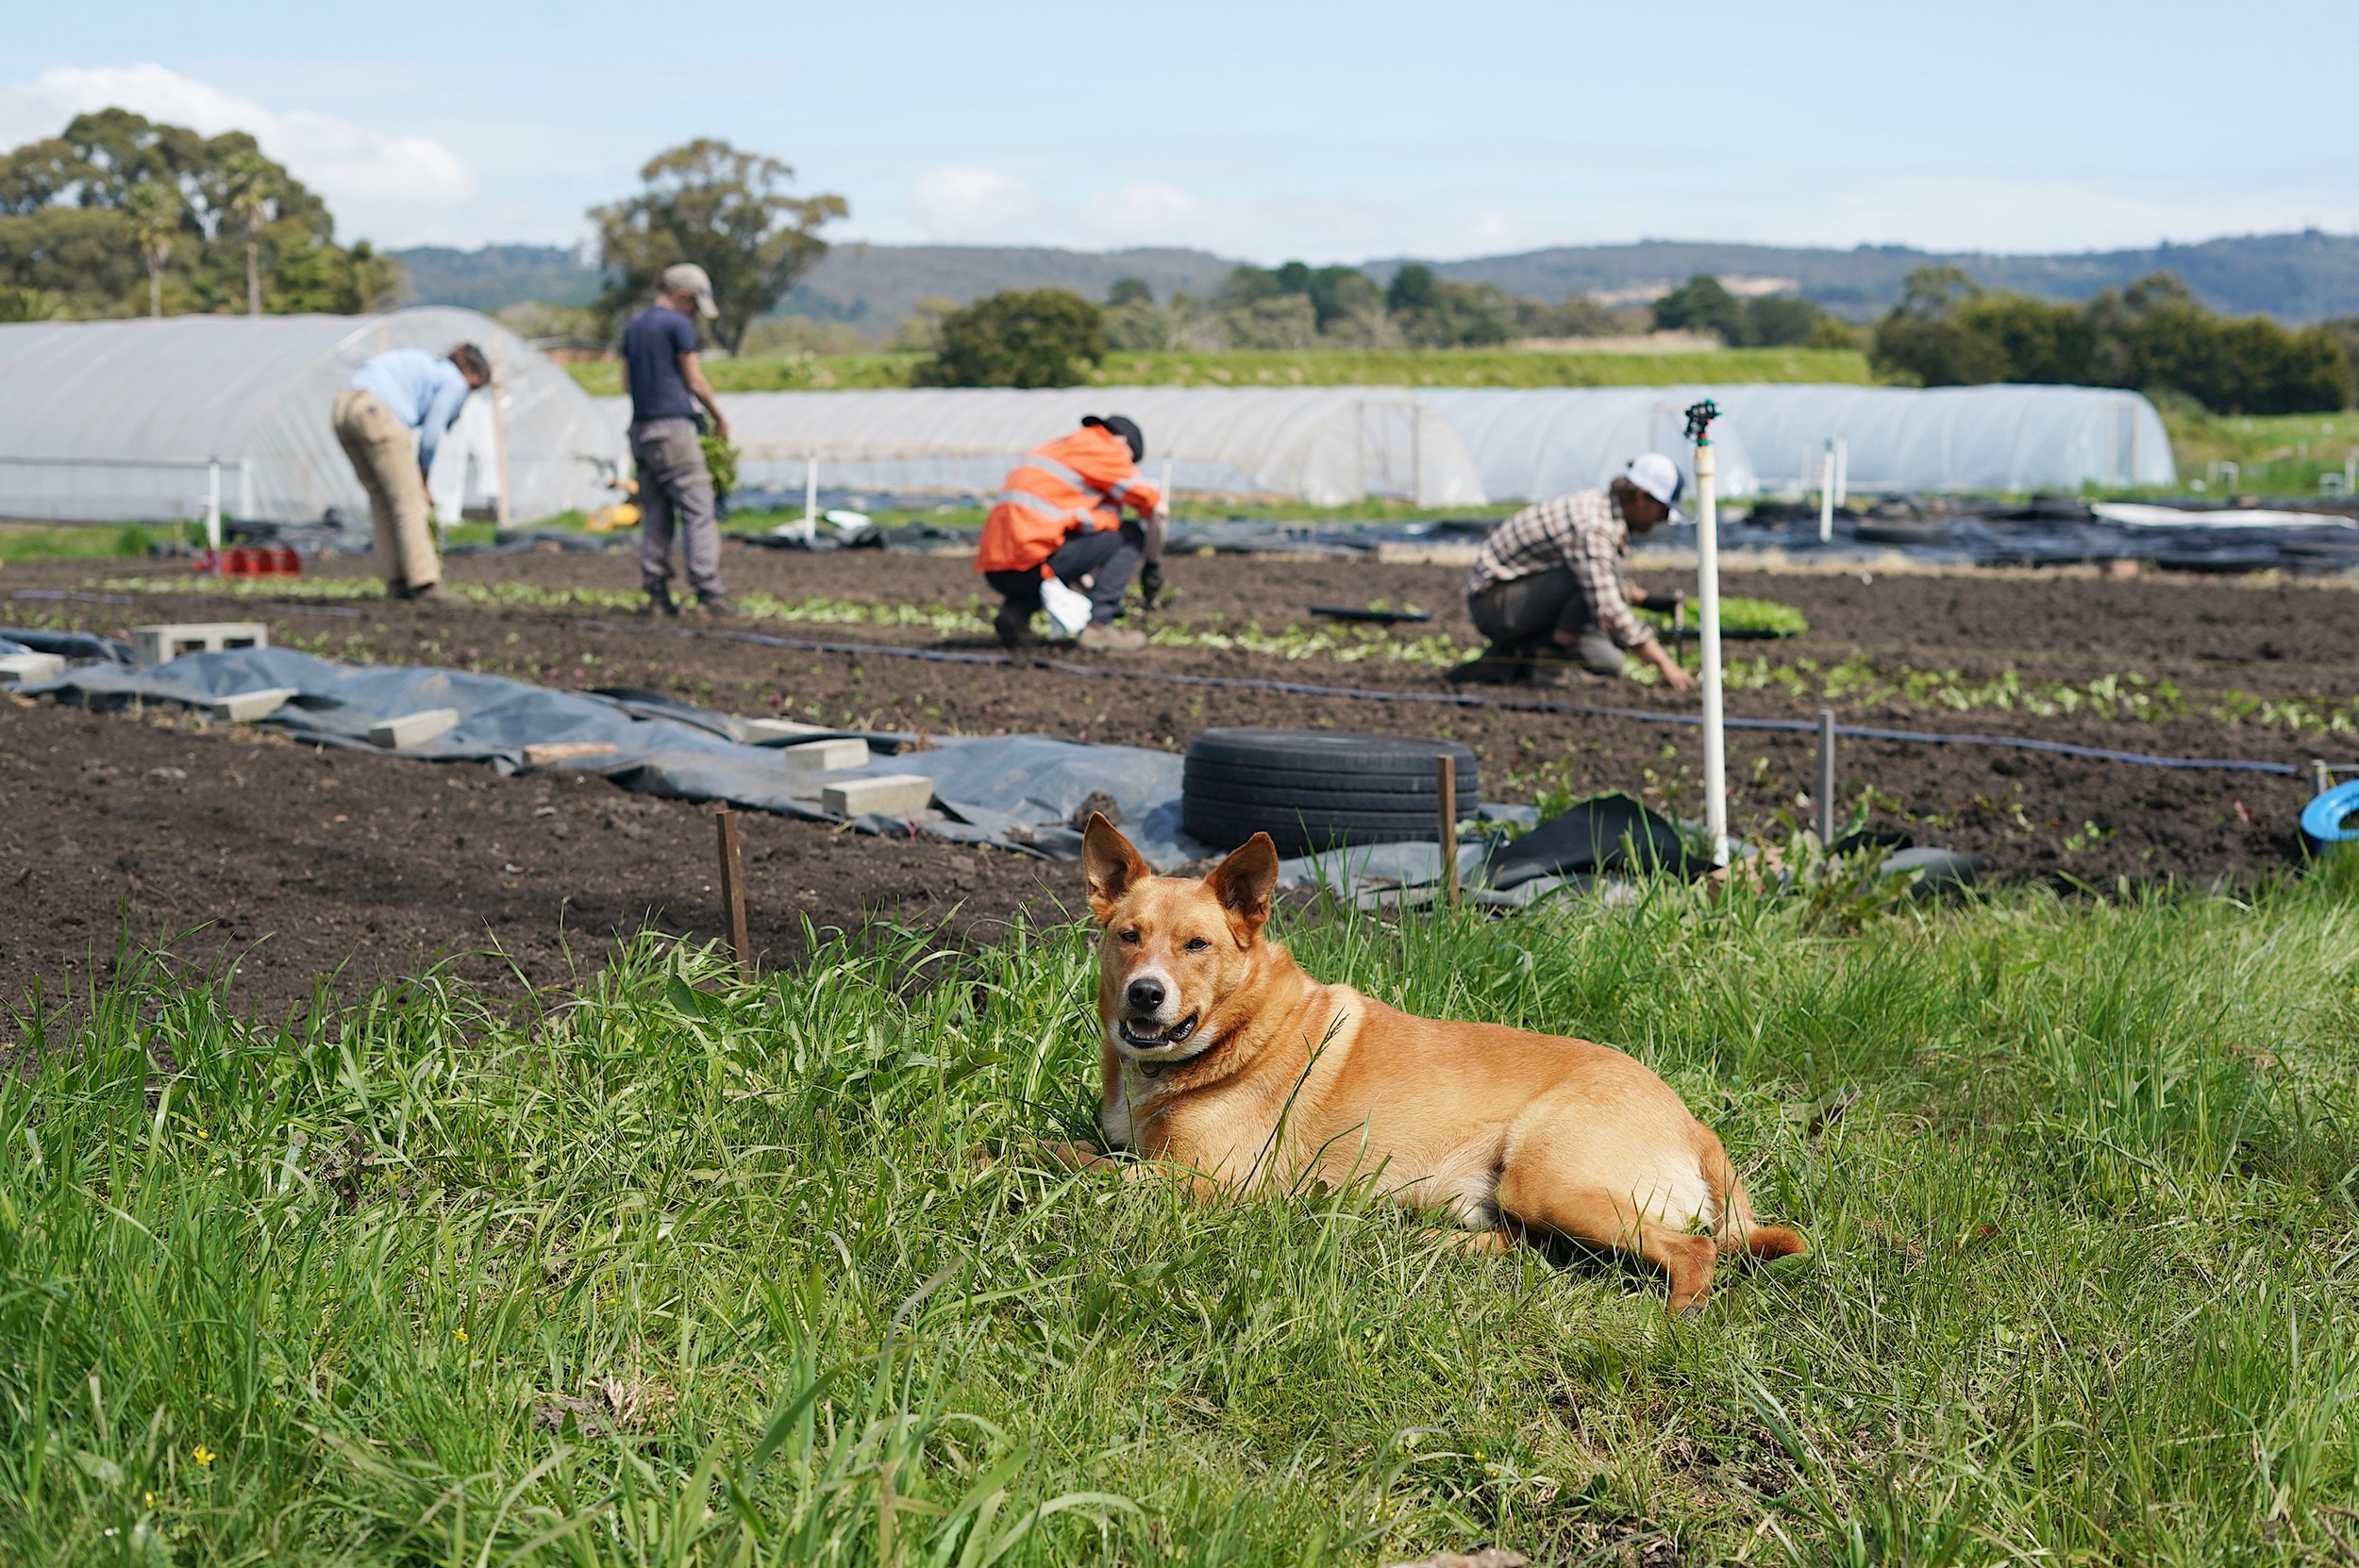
(2332, 817)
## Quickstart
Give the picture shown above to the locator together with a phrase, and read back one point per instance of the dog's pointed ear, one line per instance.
(1243, 883)
(1111, 864)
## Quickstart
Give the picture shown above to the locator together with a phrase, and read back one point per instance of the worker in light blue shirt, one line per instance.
(397, 392)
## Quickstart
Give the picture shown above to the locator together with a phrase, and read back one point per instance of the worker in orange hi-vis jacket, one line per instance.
(1058, 519)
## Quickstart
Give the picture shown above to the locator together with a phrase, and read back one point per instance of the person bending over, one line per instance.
(1550, 586)
(1058, 516)
(390, 421)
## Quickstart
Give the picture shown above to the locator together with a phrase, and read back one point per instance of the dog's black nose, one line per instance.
(1146, 995)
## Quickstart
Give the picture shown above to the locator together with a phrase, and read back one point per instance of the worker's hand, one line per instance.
(1161, 512)
(1673, 676)
(720, 424)
(1150, 583)
(1634, 593)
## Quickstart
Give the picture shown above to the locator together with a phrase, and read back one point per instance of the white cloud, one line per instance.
(394, 190)
(978, 206)
(1146, 213)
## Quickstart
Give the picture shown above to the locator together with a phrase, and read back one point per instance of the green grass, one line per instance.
(1312, 367)
(371, 1288)
(35, 541)
(2280, 455)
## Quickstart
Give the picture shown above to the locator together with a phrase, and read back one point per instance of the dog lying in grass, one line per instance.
(1221, 1057)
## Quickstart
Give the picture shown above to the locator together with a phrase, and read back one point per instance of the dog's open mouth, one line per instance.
(1142, 1035)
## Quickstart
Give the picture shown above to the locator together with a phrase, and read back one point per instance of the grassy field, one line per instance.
(2277, 454)
(40, 541)
(1470, 367)
(695, 1272)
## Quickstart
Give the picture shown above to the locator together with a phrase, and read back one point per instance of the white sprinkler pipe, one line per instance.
(1826, 496)
(1842, 472)
(810, 498)
(1708, 623)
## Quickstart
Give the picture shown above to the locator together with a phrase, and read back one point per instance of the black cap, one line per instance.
(1124, 427)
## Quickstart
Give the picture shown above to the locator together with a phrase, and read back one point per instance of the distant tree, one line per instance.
(1922, 340)
(67, 220)
(1784, 321)
(2041, 342)
(1041, 338)
(307, 277)
(1414, 289)
(725, 210)
(1281, 321)
(155, 217)
(1129, 291)
(2344, 331)
(250, 201)
(1703, 304)
(920, 331)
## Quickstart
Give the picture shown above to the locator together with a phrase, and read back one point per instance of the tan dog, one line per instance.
(1221, 1055)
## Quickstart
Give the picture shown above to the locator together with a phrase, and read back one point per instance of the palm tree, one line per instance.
(250, 206)
(156, 215)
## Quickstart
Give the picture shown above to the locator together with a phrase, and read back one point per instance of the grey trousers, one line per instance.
(674, 495)
(1521, 619)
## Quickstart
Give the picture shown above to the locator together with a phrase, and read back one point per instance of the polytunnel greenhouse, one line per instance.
(1528, 444)
(2003, 437)
(158, 420)
(1327, 446)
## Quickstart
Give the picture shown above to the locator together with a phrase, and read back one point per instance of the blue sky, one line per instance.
(1330, 132)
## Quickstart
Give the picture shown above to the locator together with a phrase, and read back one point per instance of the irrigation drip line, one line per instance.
(1463, 699)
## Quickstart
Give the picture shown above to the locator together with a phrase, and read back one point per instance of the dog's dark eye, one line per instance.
(1131, 936)
(1198, 944)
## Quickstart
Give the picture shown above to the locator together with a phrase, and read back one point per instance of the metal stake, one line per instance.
(501, 511)
(1826, 778)
(1446, 795)
(733, 892)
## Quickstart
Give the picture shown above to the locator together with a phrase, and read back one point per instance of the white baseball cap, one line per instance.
(686, 277)
(1659, 477)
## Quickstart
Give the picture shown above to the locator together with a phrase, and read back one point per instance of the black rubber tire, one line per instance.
(1314, 790)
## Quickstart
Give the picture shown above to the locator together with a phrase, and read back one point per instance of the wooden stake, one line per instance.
(2321, 776)
(1445, 797)
(733, 892)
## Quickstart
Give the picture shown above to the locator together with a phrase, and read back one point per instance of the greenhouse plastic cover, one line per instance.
(1902, 439)
(140, 406)
(1529, 443)
(1327, 446)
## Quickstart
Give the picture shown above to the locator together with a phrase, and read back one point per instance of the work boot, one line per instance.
(716, 605)
(424, 591)
(1013, 624)
(1105, 637)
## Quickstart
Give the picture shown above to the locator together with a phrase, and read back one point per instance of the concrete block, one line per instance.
(414, 730)
(895, 794)
(166, 640)
(558, 751)
(839, 756)
(781, 732)
(246, 707)
(17, 669)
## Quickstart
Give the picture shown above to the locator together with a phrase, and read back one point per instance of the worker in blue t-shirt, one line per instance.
(396, 394)
(666, 383)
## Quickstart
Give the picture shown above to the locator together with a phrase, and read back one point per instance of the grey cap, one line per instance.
(686, 277)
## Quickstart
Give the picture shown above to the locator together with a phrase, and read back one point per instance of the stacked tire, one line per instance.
(1313, 790)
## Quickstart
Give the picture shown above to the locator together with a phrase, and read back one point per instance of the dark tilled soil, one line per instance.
(250, 840)
(239, 849)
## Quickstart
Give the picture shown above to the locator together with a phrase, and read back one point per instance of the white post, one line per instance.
(1842, 471)
(1826, 496)
(500, 444)
(1166, 486)
(1708, 621)
(213, 503)
(811, 497)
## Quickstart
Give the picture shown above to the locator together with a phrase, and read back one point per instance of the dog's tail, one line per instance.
(1736, 1235)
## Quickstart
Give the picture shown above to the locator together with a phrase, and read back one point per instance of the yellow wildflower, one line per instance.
(459, 1334)
(201, 1454)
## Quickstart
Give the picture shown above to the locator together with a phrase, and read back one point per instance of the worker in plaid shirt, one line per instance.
(1549, 585)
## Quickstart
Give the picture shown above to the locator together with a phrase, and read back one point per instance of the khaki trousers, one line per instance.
(383, 456)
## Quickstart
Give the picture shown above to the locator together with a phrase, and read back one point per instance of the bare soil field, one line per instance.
(300, 862)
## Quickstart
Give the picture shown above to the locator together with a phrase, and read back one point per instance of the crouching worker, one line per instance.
(1548, 590)
(1058, 519)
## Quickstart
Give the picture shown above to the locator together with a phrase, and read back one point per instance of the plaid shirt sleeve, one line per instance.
(1580, 532)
